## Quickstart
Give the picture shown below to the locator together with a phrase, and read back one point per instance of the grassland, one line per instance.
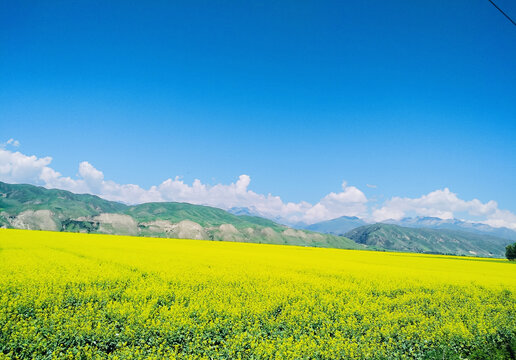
(81, 296)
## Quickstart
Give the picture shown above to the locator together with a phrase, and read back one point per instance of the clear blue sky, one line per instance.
(411, 96)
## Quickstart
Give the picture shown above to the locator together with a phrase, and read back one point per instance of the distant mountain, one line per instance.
(434, 241)
(454, 224)
(243, 211)
(33, 207)
(337, 226)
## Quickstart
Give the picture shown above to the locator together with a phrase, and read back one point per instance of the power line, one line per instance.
(504, 14)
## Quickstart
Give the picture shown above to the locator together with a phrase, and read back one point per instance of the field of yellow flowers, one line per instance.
(77, 296)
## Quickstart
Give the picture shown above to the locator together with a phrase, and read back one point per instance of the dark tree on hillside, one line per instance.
(510, 252)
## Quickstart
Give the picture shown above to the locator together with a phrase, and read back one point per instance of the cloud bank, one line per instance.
(445, 204)
(16, 167)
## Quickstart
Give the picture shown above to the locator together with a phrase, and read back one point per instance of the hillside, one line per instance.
(439, 241)
(37, 208)
(15, 199)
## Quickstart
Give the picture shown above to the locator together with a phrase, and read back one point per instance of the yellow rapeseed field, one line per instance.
(78, 296)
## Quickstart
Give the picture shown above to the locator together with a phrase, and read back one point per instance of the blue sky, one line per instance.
(408, 96)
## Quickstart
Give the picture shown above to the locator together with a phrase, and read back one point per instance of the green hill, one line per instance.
(204, 215)
(37, 208)
(15, 199)
(435, 241)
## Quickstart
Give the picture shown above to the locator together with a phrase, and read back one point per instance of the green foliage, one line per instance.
(510, 252)
(80, 226)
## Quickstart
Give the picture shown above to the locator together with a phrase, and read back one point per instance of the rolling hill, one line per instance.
(38, 208)
(434, 241)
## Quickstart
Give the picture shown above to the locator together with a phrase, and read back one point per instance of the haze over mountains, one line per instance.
(342, 225)
(454, 224)
(337, 226)
(32, 207)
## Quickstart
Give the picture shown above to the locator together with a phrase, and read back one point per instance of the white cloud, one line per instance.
(93, 178)
(445, 205)
(13, 142)
(502, 218)
(16, 167)
(350, 202)
(371, 186)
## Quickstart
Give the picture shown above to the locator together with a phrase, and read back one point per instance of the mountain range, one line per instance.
(342, 225)
(432, 241)
(454, 224)
(31, 207)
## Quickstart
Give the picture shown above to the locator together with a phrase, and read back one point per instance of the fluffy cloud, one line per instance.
(13, 142)
(445, 205)
(350, 202)
(502, 218)
(16, 167)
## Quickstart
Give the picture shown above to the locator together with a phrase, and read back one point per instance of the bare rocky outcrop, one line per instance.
(116, 224)
(317, 236)
(159, 226)
(34, 220)
(268, 232)
(187, 229)
(228, 232)
(249, 231)
(228, 229)
(295, 233)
